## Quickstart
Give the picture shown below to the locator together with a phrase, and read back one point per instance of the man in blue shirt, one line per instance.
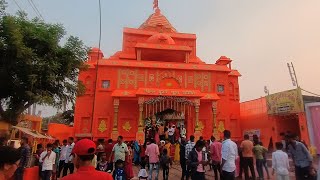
(301, 157)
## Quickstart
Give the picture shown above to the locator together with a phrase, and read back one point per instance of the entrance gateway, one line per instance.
(157, 75)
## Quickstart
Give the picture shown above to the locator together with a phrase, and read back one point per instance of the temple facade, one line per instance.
(156, 79)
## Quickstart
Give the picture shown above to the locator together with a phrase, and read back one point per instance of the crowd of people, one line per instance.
(115, 160)
(161, 132)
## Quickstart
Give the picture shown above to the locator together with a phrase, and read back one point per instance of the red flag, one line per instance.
(155, 4)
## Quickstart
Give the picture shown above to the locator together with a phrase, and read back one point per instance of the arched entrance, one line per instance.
(164, 112)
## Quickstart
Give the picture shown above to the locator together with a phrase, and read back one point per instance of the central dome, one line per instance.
(158, 22)
(161, 38)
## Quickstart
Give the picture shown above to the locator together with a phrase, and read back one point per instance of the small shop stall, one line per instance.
(34, 137)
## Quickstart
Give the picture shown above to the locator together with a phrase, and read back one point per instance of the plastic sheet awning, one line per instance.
(29, 132)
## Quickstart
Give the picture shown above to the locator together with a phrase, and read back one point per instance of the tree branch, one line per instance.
(28, 105)
(1, 111)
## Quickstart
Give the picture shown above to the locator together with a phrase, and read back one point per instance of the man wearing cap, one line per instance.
(84, 151)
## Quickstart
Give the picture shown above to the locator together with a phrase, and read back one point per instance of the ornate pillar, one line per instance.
(115, 132)
(197, 132)
(140, 123)
(140, 134)
(196, 107)
(187, 57)
(139, 54)
(214, 119)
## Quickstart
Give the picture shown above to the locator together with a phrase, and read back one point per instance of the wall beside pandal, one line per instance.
(255, 119)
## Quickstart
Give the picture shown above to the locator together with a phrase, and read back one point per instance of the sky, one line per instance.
(260, 36)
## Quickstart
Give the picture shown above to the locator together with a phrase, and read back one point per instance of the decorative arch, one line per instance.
(170, 83)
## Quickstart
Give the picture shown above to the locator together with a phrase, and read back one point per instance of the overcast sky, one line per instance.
(260, 36)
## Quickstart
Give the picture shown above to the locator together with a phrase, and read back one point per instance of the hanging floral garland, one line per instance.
(159, 121)
(172, 98)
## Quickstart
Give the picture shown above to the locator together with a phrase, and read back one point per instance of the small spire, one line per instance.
(157, 11)
(156, 4)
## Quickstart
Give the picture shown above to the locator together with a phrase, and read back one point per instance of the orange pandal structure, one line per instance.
(60, 131)
(157, 71)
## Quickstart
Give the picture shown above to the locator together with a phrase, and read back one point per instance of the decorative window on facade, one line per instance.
(88, 84)
(220, 88)
(105, 84)
(231, 89)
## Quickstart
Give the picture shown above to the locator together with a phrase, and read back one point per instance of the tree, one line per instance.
(34, 66)
(66, 118)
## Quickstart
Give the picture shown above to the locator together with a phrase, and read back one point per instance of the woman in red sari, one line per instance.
(128, 164)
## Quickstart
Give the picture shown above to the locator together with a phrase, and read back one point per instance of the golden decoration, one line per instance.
(169, 84)
(127, 126)
(221, 127)
(102, 126)
(200, 126)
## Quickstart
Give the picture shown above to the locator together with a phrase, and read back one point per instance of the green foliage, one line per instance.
(66, 118)
(3, 5)
(34, 66)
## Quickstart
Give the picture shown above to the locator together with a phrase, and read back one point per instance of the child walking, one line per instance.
(102, 165)
(119, 173)
(280, 163)
(143, 174)
(165, 162)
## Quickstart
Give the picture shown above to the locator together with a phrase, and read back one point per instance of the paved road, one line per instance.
(175, 173)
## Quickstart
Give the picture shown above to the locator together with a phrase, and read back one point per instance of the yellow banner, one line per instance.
(285, 102)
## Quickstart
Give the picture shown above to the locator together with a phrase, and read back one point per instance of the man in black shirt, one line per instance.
(182, 158)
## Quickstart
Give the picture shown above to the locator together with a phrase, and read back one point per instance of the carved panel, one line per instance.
(85, 125)
(202, 81)
(102, 127)
(126, 126)
(127, 78)
(151, 77)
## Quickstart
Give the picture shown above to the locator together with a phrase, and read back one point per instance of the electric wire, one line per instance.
(310, 92)
(17, 4)
(35, 9)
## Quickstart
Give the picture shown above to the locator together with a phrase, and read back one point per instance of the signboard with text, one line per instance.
(285, 102)
(252, 132)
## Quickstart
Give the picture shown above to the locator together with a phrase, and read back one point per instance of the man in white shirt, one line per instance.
(280, 163)
(69, 156)
(229, 154)
(47, 158)
(119, 150)
(63, 156)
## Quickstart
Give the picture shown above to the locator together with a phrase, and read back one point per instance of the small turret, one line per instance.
(95, 54)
